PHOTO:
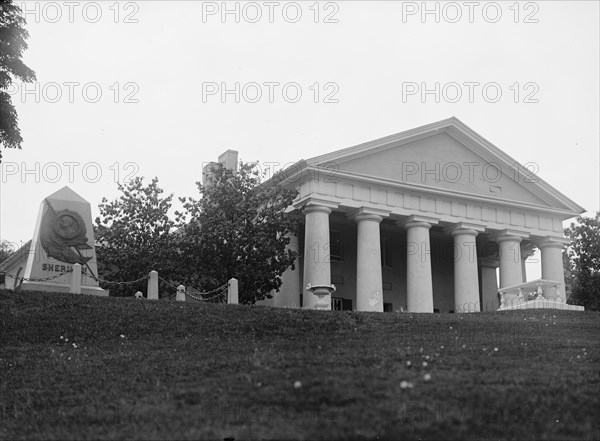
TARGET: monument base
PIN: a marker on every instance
(63, 288)
(541, 304)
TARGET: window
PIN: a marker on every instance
(335, 246)
(386, 252)
(388, 307)
(340, 304)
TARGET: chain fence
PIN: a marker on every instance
(31, 279)
(217, 295)
(109, 282)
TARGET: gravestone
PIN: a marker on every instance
(63, 236)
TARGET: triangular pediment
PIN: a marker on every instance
(450, 158)
(440, 161)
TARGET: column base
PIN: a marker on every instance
(323, 294)
(467, 307)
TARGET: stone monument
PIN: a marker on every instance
(63, 236)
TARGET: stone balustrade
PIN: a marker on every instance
(539, 293)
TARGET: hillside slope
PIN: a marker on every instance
(78, 367)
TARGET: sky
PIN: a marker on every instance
(157, 88)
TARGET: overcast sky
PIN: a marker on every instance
(136, 88)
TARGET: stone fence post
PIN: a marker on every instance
(76, 279)
(180, 294)
(232, 292)
(153, 286)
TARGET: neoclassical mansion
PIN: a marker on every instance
(420, 221)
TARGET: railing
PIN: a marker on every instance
(227, 292)
(539, 290)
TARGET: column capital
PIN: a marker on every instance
(464, 228)
(509, 235)
(365, 213)
(527, 249)
(416, 220)
(489, 262)
(311, 204)
(552, 242)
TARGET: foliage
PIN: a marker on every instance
(6, 249)
(13, 38)
(582, 258)
(239, 228)
(134, 236)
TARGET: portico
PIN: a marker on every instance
(377, 237)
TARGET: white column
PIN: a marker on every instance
(527, 250)
(489, 284)
(369, 284)
(552, 266)
(317, 269)
(511, 271)
(419, 284)
(466, 277)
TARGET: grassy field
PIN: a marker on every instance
(76, 367)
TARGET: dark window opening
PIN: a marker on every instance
(335, 246)
(386, 252)
(340, 304)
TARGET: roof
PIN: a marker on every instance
(452, 127)
(15, 257)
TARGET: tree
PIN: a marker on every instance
(582, 270)
(13, 43)
(134, 236)
(6, 249)
(239, 228)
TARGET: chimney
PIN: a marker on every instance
(229, 158)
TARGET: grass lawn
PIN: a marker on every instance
(76, 367)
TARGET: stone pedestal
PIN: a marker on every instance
(63, 236)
